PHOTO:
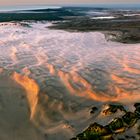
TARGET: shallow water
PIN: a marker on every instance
(64, 74)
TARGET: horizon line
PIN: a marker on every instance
(43, 4)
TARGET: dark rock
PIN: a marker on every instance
(97, 129)
(137, 111)
(93, 110)
(113, 109)
(129, 119)
(129, 137)
(74, 139)
(137, 105)
(95, 132)
(116, 126)
(119, 125)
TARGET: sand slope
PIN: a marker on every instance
(14, 113)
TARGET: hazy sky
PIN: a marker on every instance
(55, 2)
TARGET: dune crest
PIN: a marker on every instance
(32, 90)
(1, 70)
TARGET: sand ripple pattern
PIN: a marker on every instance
(71, 70)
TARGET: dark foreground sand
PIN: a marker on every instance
(15, 121)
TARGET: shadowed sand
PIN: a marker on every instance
(15, 121)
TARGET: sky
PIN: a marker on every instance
(61, 2)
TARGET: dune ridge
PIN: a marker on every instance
(32, 90)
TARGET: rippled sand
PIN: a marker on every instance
(62, 75)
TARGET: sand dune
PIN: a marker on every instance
(32, 90)
(61, 74)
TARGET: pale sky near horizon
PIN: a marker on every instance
(57, 2)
